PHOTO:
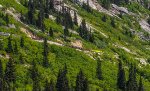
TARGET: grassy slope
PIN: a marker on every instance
(74, 59)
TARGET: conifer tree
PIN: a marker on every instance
(16, 48)
(141, 87)
(51, 5)
(35, 76)
(9, 45)
(121, 81)
(7, 19)
(47, 9)
(49, 86)
(1, 76)
(22, 42)
(113, 23)
(45, 53)
(75, 18)
(10, 75)
(1, 45)
(51, 32)
(132, 83)
(81, 82)
(40, 21)
(66, 31)
(62, 81)
(31, 10)
(104, 18)
(99, 70)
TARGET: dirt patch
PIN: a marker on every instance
(77, 44)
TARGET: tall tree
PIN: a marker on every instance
(45, 53)
(75, 18)
(49, 86)
(47, 8)
(31, 10)
(7, 19)
(10, 75)
(16, 48)
(62, 81)
(9, 45)
(22, 42)
(1, 45)
(99, 69)
(35, 76)
(81, 82)
(141, 87)
(1, 76)
(132, 83)
(121, 80)
(51, 32)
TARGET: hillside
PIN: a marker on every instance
(74, 45)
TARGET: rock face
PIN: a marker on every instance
(145, 26)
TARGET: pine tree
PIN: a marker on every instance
(121, 81)
(132, 83)
(141, 87)
(51, 32)
(47, 9)
(81, 82)
(75, 18)
(99, 70)
(113, 23)
(35, 76)
(7, 19)
(51, 5)
(16, 48)
(1, 45)
(1, 76)
(40, 21)
(22, 42)
(62, 81)
(9, 45)
(45, 53)
(104, 18)
(106, 4)
(31, 10)
(49, 86)
(10, 75)
(66, 31)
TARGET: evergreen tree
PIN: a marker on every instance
(16, 48)
(7, 19)
(81, 82)
(45, 53)
(31, 10)
(113, 23)
(121, 81)
(83, 31)
(47, 9)
(104, 18)
(10, 75)
(35, 76)
(75, 18)
(22, 42)
(132, 83)
(49, 86)
(1, 45)
(1, 76)
(99, 70)
(51, 32)
(40, 21)
(106, 4)
(141, 87)
(9, 45)
(66, 31)
(62, 81)
(51, 5)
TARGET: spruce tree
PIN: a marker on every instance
(141, 87)
(49, 86)
(81, 82)
(47, 9)
(99, 69)
(132, 83)
(35, 76)
(22, 42)
(45, 53)
(75, 18)
(1, 76)
(62, 81)
(104, 18)
(113, 23)
(121, 81)
(9, 45)
(10, 75)
(51, 32)
(1, 45)
(16, 48)
(7, 19)
(31, 10)
(66, 31)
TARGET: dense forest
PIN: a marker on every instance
(74, 45)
